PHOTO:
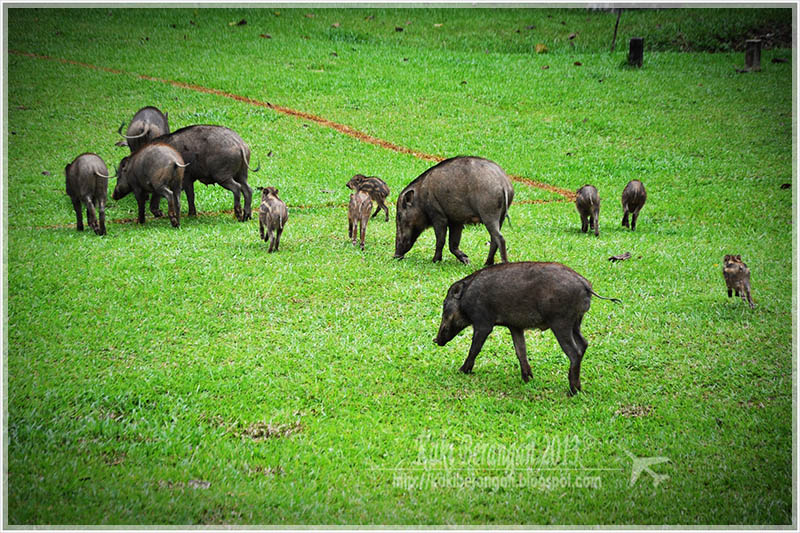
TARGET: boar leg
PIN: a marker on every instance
(91, 216)
(351, 230)
(101, 211)
(440, 229)
(363, 227)
(454, 240)
(141, 199)
(625, 217)
(188, 188)
(595, 220)
(730, 292)
(261, 229)
(633, 219)
(76, 205)
(172, 208)
(497, 242)
(584, 223)
(155, 206)
(479, 334)
(563, 333)
(278, 238)
(518, 336)
(746, 291)
(236, 189)
(271, 234)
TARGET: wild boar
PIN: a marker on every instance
(215, 154)
(358, 215)
(156, 169)
(457, 191)
(87, 184)
(588, 204)
(272, 217)
(737, 278)
(147, 124)
(375, 187)
(633, 198)
(520, 296)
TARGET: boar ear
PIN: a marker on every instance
(457, 291)
(407, 199)
(738, 257)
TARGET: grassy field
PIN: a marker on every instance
(185, 376)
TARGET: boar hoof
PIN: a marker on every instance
(465, 370)
(158, 213)
(526, 376)
(464, 259)
(174, 222)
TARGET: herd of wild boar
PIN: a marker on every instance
(457, 191)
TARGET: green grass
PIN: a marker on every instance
(185, 376)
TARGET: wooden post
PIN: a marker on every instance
(614, 40)
(752, 55)
(636, 52)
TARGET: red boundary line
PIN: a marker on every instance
(347, 130)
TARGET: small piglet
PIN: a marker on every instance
(520, 296)
(358, 215)
(272, 217)
(375, 187)
(588, 204)
(633, 198)
(87, 184)
(737, 278)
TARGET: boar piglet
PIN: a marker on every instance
(87, 184)
(457, 191)
(737, 278)
(155, 169)
(272, 217)
(147, 124)
(520, 296)
(588, 204)
(358, 215)
(633, 198)
(375, 187)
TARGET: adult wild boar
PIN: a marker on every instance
(147, 124)
(215, 154)
(633, 198)
(457, 191)
(156, 169)
(375, 187)
(87, 184)
(587, 202)
(520, 296)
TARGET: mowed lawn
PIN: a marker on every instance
(185, 376)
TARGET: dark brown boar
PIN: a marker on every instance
(155, 169)
(375, 187)
(147, 124)
(87, 184)
(520, 296)
(588, 204)
(215, 154)
(272, 217)
(633, 198)
(737, 278)
(358, 215)
(457, 191)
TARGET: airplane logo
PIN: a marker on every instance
(642, 464)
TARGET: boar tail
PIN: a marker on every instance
(507, 217)
(615, 300)
(244, 158)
